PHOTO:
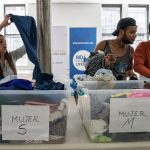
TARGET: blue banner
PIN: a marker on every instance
(82, 42)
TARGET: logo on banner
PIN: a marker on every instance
(79, 59)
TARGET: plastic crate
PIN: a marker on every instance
(56, 102)
(96, 115)
(122, 84)
(101, 85)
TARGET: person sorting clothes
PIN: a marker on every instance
(8, 59)
(120, 47)
(142, 59)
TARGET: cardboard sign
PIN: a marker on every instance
(129, 115)
(25, 122)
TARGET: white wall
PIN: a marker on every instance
(85, 13)
(76, 15)
(32, 10)
(104, 1)
(125, 1)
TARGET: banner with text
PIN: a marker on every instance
(82, 42)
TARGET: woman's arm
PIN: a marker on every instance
(5, 22)
(18, 53)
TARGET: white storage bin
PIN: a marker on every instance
(96, 115)
(56, 102)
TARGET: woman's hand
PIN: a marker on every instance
(5, 22)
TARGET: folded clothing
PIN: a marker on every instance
(16, 84)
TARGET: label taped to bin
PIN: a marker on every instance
(129, 115)
(25, 122)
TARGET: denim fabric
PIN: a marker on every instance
(28, 31)
(27, 27)
(45, 81)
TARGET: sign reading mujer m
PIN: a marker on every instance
(82, 42)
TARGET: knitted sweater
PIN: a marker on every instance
(142, 59)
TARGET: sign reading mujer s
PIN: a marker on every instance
(82, 42)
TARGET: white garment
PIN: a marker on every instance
(98, 127)
(60, 112)
(104, 75)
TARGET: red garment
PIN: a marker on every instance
(142, 59)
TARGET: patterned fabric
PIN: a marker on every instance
(94, 62)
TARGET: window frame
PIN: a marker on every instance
(111, 6)
(147, 16)
(12, 5)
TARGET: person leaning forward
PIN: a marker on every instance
(142, 58)
(120, 47)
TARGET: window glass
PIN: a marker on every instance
(110, 18)
(140, 14)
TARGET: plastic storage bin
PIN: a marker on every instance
(96, 115)
(100, 85)
(122, 84)
(56, 102)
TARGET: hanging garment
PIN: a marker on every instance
(27, 27)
